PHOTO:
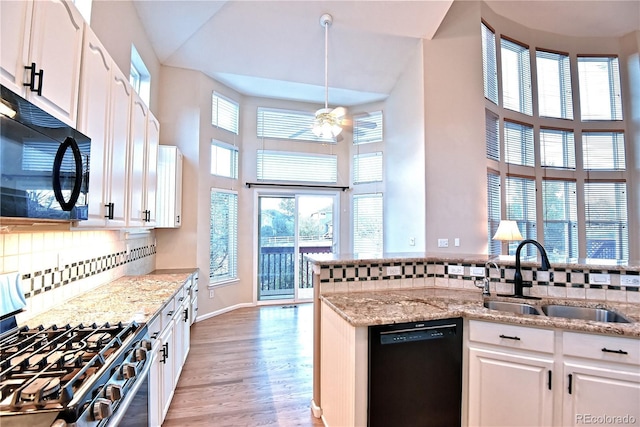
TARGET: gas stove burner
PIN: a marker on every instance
(98, 340)
(40, 389)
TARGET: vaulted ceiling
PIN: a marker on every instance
(275, 48)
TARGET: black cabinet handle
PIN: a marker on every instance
(186, 315)
(570, 382)
(178, 219)
(146, 216)
(606, 350)
(507, 337)
(549, 378)
(155, 335)
(110, 207)
(165, 352)
(170, 313)
(32, 83)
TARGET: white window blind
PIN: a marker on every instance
(287, 124)
(516, 77)
(367, 224)
(367, 128)
(225, 113)
(367, 167)
(555, 98)
(518, 143)
(224, 159)
(560, 218)
(223, 253)
(607, 228)
(492, 135)
(493, 210)
(557, 148)
(600, 94)
(603, 151)
(297, 167)
(489, 64)
(521, 207)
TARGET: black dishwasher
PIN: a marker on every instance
(415, 374)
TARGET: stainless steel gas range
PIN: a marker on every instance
(84, 375)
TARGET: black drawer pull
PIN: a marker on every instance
(549, 375)
(606, 350)
(570, 383)
(507, 337)
(170, 313)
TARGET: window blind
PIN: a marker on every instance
(557, 148)
(600, 93)
(223, 236)
(518, 143)
(367, 224)
(603, 151)
(560, 214)
(493, 211)
(224, 159)
(38, 156)
(555, 98)
(516, 77)
(489, 64)
(607, 228)
(287, 124)
(225, 113)
(521, 207)
(367, 167)
(492, 135)
(367, 128)
(297, 167)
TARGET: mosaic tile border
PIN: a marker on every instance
(38, 282)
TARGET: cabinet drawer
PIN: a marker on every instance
(512, 336)
(167, 313)
(600, 347)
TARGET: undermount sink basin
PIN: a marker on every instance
(584, 313)
(512, 307)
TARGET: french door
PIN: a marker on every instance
(289, 226)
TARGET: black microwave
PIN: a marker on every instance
(44, 163)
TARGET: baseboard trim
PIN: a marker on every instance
(224, 310)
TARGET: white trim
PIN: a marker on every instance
(222, 283)
(224, 310)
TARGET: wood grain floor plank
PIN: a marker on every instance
(248, 367)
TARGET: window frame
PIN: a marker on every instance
(232, 235)
(233, 159)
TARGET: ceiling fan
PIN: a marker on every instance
(328, 121)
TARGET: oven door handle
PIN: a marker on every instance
(115, 419)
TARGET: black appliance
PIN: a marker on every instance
(75, 376)
(415, 374)
(44, 163)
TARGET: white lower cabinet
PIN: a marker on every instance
(170, 334)
(510, 375)
(518, 376)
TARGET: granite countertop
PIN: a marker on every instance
(398, 306)
(127, 299)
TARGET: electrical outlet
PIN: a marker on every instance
(443, 243)
(476, 271)
(63, 261)
(456, 269)
(456, 242)
(394, 270)
(627, 280)
(599, 279)
(211, 293)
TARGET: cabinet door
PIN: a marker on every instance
(55, 47)
(155, 388)
(599, 390)
(120, 107)
(93, 121)
(509, 389)
(15, 21)
(137, 158)
(151, 164)
(168, 377)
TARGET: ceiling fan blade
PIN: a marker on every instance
(338, 112)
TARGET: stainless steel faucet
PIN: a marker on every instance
(486, 281)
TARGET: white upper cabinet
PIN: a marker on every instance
(169, 200)
(41, 52)
(151, 172)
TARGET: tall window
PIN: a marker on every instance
(603, 151)
(492, 135)
(493, 210)
(600, 94)
(367, 128)
(139, 76)
(489, 64)
(225, 113)
(518, 143)
(287, 124)
(516, 77)
(367, 224)
(560, 218)
(606, 220)
(555, 98)
(557, 148)
(224, 159)
(297, 167)
(521, 207)
(223, 237)
(367, 167)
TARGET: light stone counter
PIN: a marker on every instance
(130, 298)
(398, 306)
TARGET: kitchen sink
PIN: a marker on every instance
(512, 307)
(584, 313)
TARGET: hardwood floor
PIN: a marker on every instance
(248, 367)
